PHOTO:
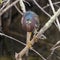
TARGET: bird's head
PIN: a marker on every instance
(29, 21)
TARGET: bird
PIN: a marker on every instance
(30, 21)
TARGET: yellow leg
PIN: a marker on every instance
(27, 42)
(28, 36)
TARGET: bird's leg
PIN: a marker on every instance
(27, 41)
(28, 37)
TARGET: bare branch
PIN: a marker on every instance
(4, 5)
(38, 54)
(2, 34)
(55, 3)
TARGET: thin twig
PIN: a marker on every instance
(42, 9)
(52, 52)
(8, 7)
(2, 34)
(55, 45)
(18, 10)
(55, 3)
(57, 6)
(38, 53)
(27, 2)
(4, 5)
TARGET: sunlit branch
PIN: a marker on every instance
(53, 49)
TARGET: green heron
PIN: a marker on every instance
(30, 21)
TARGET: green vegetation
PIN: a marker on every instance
(0, 1)
(5, 58)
